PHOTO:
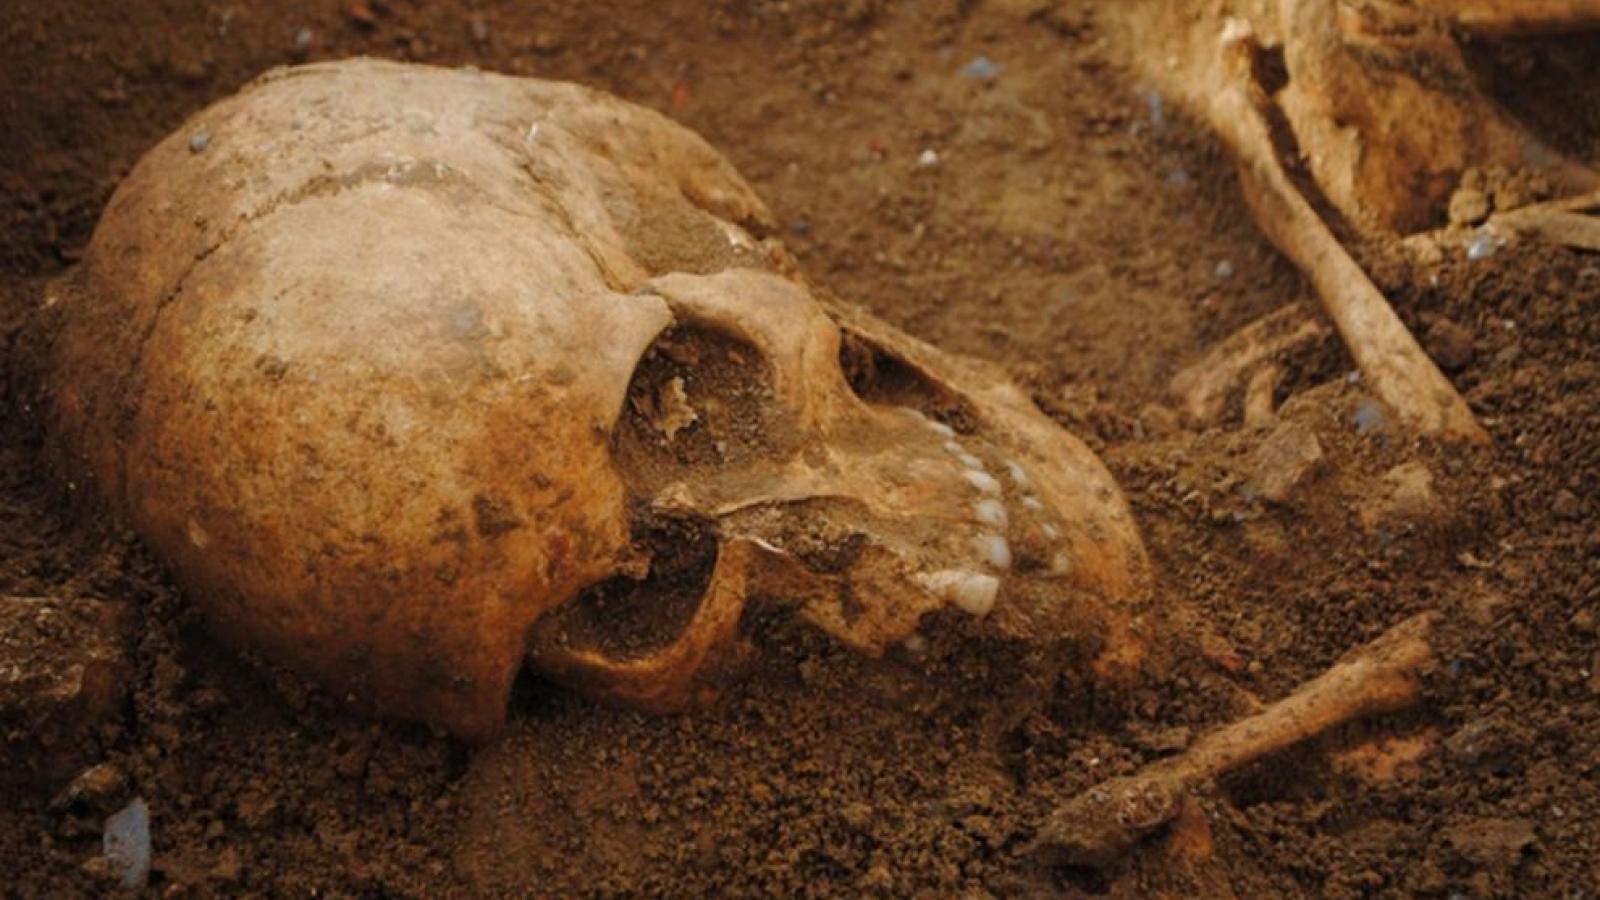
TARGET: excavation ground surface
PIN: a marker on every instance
(993, 177)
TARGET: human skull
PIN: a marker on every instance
(414, 374)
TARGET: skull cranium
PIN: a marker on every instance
(413, 374)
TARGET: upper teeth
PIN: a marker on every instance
(991, 512)
(983, 481)
(971, 592)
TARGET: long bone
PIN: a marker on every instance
(1389, 357)
(1103, 822)
(1498, 18)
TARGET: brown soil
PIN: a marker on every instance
(1074, 229)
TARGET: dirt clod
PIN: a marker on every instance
(1289, 455)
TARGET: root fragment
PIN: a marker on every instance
(1099, 825)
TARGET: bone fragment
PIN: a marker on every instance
(1567, 222)
(1521, 18)
(1203, 388)
(1388, 355)
(1258, 407)
(1102, 823)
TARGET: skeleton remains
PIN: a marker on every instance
(1379, 100)
(413, 375)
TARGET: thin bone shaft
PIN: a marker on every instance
(1379, 678)
(1388, 355)
(1100, 824)
(1516, 18)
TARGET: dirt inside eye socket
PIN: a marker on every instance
(698, 398)
(626, 617)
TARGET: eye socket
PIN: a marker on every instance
(628, 618)
(698, 397)
(881, 378)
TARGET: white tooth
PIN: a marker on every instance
(1018, 473)
(991, 512)
(975, 594)
(941, 429)
(970, 461)
(1050, 531)
(954, 446)
(915, 414)
(983, 481)
(1032, 502)
(994, 550)
(969, 592)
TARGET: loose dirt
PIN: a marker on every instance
(1044, 210)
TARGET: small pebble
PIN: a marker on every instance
(1224, 270)
(1566, 505)
(1449, 344)
(982, 68)
(94, 785)
(360, 12)
(1468, 206)
(199, 141)
(302, 41)
(1368, 417)
(1158, 107)
(1482, 246)
(126, 844)
(928, 159)
(547, 42)
(1583, 622)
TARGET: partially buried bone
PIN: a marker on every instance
(1388, 114)
(1103, 822)
(1202, 390)
(413, 376)
(1225, 88)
